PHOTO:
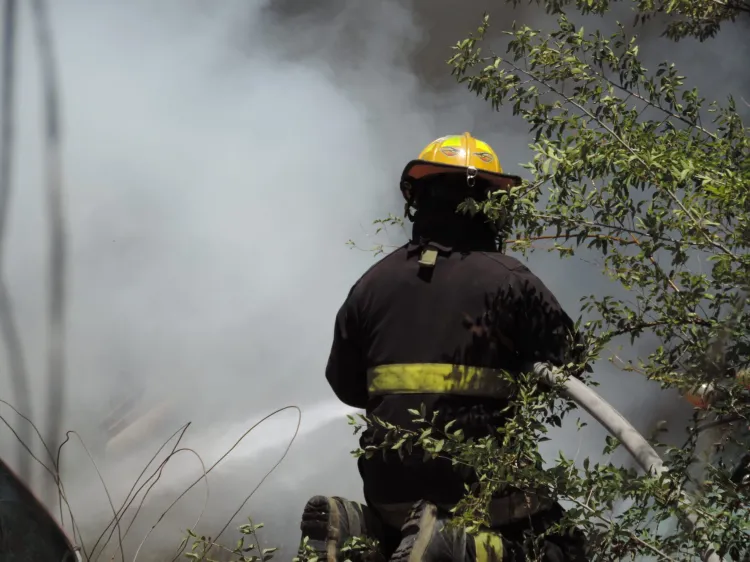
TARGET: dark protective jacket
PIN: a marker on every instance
(409, 334)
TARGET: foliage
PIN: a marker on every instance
(636, 168)
(354, 549)
(381, 227)
(701, 19)
(633, 173)
(243, 551)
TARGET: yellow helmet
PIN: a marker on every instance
(462, 154)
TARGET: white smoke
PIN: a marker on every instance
(212, 184)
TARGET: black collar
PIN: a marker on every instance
(416, 247)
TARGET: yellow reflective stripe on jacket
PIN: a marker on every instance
(489, 547)
(436, 378)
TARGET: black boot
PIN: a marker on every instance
(327, 523)
(426, 538)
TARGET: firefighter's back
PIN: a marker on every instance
(434, 334)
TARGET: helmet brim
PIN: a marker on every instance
(419, 169)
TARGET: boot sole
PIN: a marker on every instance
(320, 524)
(416, 532)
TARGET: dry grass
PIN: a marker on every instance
(109, 543)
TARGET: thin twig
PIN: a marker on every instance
(619, 228)
(655, 105)
(567, 237)
(126, 504)
(25, 447)
(200, 516)
(656, 265)
(53, 473)
(635, 537)
(263, 419)
(104, 485)
(61, 492)
(270, 471)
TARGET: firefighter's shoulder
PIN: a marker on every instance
(506, 262)
(518, 274)
(378, 267)
(523, 279)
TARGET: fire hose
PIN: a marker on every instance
(620, 428)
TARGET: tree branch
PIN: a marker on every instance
(627, 147)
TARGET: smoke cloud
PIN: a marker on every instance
(217, 158)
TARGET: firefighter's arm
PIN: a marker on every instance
(547, 332)
(346, 372)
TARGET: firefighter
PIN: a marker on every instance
(446, 305)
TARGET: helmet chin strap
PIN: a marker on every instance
(406, 189)
(471, 176)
